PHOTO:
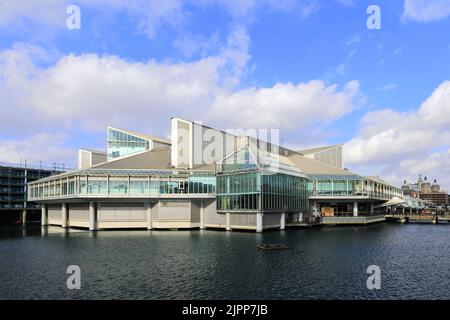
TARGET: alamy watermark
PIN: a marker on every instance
(374, 19)
(73, 22)
(74, 280)
(198, 145)
(374, 279)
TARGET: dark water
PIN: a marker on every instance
(325, 263)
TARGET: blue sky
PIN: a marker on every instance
(310, 68)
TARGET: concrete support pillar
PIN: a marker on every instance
(24, 217)
(283, 221)
(314, 207)
(259, 222)
(202, 215)
(355, 209)
(44, 215)
(149, 217)
(227, 221)
(92, 216)
(64, 216)
(371, 208)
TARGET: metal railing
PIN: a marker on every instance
(54, 166)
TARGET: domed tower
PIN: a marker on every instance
(406, 188)
(426, 186)
(435, 187)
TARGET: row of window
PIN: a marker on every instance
(280, 202)
(284, 193)
(278, 192)
(12, 190)
(270, 202)
(124, 149)
(237, 202)
(284, 185)
(240, 183)
(350, 187)
(21, 174)
(12, 198)
(4, 181)
(121, 144)
(114, 135)
(7, 173)
(116, 186)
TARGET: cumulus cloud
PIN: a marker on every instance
(89, 92)
(92, 91)
(43, 147)
(426, 10)
(399, 144)
(285, 105)
(46, 92)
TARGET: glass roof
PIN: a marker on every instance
(335, 177)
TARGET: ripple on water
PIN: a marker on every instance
(328, 263)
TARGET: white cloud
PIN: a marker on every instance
(388, 87)
(89, 92)
(43, 147)
(191, 45)
(149, 15)
(353, 39)
(285, 106)
(426, 10)
(52, 12)
(399, 144)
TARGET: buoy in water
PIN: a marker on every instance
(273, 247)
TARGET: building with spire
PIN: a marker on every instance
(424, 190)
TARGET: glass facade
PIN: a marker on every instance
(202, 184)
(123, 185)
(255, 191)
(284, 193)
(239, 192)
(13, 185)
(353, 186)
(122, 144)
(241, 160)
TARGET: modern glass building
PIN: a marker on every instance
(125, 142)
(14, 179)
(206, 178)
(269, 186)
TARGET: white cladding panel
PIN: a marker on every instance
(121, 212)
(54, 211)
(174, 210)
(78, 211)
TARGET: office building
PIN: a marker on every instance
(14, 178)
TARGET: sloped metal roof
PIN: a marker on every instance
(314, 167)
(318, 149)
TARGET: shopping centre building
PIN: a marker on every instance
(206, 178)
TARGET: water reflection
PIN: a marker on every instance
(320, 263)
